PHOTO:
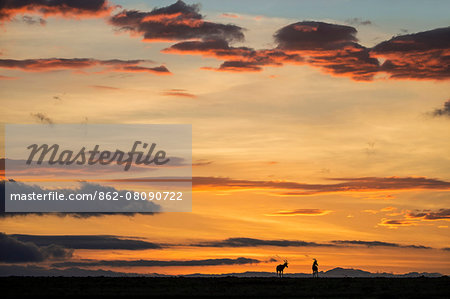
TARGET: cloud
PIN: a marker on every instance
(157, 263)
(33, 21)
(378, 244)
(7, 78)
(16, 251)
(236, 66)
(62, 8)
(251, 242)
(358, 21)
(301, 212)
(88, 242)
(395, 223)
(423, 55)
(441, 214)
(335, 50)
(58, 64)
(84, 188)
(445, 111)
(178, 93)
(104, 87)
(230, 15)
(202, 162)
(237, 59)
(331, 47)
(415, 218)
(388, 209)
(310, 35)
(175, 22)
(328, 46)
(364, 184)
(42, 118)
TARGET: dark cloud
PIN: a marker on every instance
(334, 49)
(156, 263)
(42, 118)
(251, 242)
(331, 47)
(17, 251)
(237, 66)
(89, 242)
(178, 21)
(84, 188)
(310, 35)
(441, 214)
(64, 8)
(423, 55)
(445, 111)
(55, 64)
(238, 59)
(348, 184)
(378, 244)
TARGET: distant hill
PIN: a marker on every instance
(30, 270)
(336, 272)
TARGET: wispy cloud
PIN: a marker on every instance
(88, 242)
(42, 118)
(253, 242)
(104, 87)
(444, 111)
(358, 21)
(378, 244)
(395, 223)
(441, 214)
(159, 263)
(415, 218)
(301, 212)
(178, 93)
(363, 184)
(58, 64)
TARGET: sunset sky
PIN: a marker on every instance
(320, 129)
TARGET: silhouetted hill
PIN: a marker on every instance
(336, 272)
(30, 270)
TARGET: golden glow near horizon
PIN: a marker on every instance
(288, 153)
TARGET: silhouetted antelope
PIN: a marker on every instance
(315, 268)
(281, 267)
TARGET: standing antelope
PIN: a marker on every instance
(281, 267)
(315, 268)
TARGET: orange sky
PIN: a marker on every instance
(283, 148)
